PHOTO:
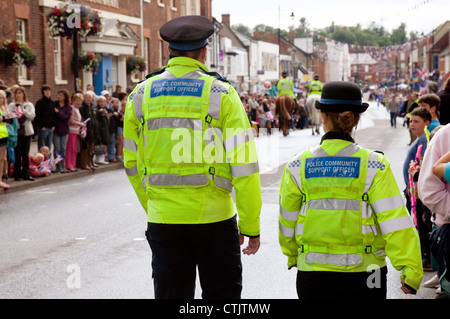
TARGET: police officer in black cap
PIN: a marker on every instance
(192, 220)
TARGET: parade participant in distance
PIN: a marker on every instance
(285, 86)
(316, 86)
(341, 211)
(185, 187)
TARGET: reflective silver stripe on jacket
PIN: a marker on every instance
(291, 216)
(132, 171)
(176, 180)
(174, 123)
(138, 98)
(349, 150)
(334, 204)
(245, 170)
(224, 183)
(396, 224)
(286, 231)
(215, 99)
(372, 170)
(385, 204)
(294, 171)
(334, 259)
(129, 145)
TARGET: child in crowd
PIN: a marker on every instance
(35, 162)
(44, 150)
(420, 119)
(432, 103)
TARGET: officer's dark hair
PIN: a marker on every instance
(194, 54)
(422, 113)
(344, 122)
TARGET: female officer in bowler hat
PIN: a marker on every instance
(341, 211)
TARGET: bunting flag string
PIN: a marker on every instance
(408, 10)
(376, 52)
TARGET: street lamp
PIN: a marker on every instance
(292, 40)
(75, 48)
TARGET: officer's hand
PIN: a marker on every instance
(406, 289)
(252, 247)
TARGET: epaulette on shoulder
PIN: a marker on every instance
(217, 76)
(380, 152)
(148, 76)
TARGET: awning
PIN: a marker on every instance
(117, 38)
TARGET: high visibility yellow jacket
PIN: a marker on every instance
(315, 87)
(187, 142)
(3, 130)
(285, 87)
(341, 210)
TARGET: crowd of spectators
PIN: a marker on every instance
(77, 131)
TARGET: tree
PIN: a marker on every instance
(242, 29)
(398, 35)
(346, 36)
(304, 25)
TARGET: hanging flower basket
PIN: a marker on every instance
(70, 18)
(135, 64)
(14, 52)
(88, 62)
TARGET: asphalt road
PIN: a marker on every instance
(84, 238)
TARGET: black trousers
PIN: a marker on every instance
(340, 285)
(21, 151)
(177, 251)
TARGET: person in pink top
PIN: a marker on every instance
(75, 125)
(434, 191)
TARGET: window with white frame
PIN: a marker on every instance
(160, 3)
(20, 36)
(146, 55)
(57, 58)
(172, 5)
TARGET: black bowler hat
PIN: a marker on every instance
(187, 33)
(338, 97)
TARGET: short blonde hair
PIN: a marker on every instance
(89, 93)
(77, 96)
(39, 156)
(101, 98)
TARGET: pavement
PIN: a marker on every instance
(56, 177)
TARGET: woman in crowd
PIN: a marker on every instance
(103, 138)
(3, 135)
(75, 125)
(122, 104)
(114, 118)
(24, 111)
(87, 143)
(63, 113)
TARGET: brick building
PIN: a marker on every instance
(130, 28)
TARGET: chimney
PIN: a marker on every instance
(226, 19)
